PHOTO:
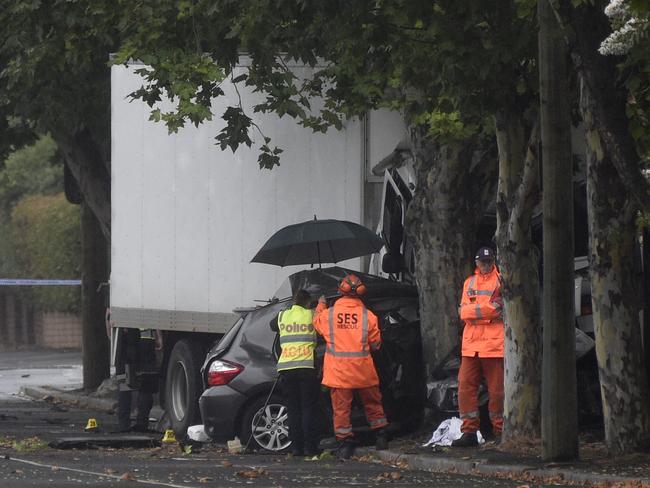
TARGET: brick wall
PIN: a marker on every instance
(57, 330)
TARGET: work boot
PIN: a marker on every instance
(468, 439)
(312, 450)
(381, 441)
(345, 449)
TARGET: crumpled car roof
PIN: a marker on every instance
(324, 281)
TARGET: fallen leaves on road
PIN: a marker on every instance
(388, 476)
(127, 477)
(368, 458)
(226, 463)
(559, 479)
(29, 444)
(400, 463)
(253, 473)
(17, 471)
(110, 471)
(7, 442)
(56, 468)
(323, 456)
(205, 479)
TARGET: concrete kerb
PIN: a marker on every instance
(82, 401)
(474, 467)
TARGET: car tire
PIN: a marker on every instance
(271, 425)
(183, 386)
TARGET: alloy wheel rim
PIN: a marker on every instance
(270, 427)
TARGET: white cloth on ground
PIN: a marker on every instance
(447, 432)
(197, 433)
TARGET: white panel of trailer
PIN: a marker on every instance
(188, 217)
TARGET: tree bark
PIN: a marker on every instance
(455, 185)
(95, 346)
(584, 28)
(559, 398)
(88, 164)
(518, 264)
(614, 295)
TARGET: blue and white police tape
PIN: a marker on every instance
(8, 282)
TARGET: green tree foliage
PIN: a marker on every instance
(40, 228)
(55, 79)
(449, 65)
(45, 232)
(33, 170)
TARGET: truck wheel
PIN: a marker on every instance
(183, 386)
(269, 425)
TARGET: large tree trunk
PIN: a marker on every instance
(518, 264)
(559, 397)
(95, 347)
(88, 164)
(614, 295)
(455, 184)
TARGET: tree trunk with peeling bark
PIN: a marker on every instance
(455, 185)
(518, 264)
(584, 28)
(614, 296)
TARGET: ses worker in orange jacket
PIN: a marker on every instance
(482, 350)
(351, 332)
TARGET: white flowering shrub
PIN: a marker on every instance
(630, 28)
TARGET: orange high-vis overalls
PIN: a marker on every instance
(482, 350)
(351, 331)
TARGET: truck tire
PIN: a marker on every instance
(271, 425)
(183, 386)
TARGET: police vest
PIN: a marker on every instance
(146, 333)
(297, 339)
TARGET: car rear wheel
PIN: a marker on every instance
(266, 426)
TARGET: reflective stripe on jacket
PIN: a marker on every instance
(481, 308)
(351, 332)
(297, 338)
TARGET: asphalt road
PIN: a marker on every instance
(27, 426)
(25, 460)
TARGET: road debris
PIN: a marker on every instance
(388, 476)
(127, 477)
(252, 473)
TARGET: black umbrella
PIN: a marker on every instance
(318, 241)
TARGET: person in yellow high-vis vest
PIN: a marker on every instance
(298, 374)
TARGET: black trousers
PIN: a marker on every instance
(144, 360)
(144, 404)
(301, 390)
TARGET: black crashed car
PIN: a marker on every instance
(239, 372)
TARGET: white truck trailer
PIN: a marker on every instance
(187, 218)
